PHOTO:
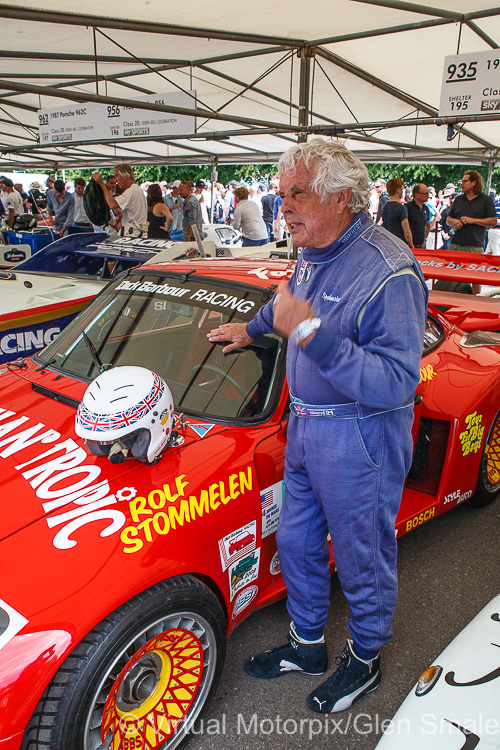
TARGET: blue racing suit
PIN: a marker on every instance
(349, 441)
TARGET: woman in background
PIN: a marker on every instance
(159, 216)
(248, 220)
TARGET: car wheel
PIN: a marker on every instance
(141, 678)
(488, 480)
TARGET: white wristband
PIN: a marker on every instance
(304, 329)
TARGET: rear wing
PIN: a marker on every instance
(448, 265)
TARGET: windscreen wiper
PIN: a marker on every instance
(93, 352)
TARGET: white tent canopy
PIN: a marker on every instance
(266, 75)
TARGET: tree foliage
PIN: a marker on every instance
(225, 173)
(438, 175)
(430, 174)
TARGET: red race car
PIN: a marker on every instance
(123, 578)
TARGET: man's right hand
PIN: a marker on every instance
(97, 177)
(236, 333)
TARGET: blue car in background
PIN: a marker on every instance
(41, 295)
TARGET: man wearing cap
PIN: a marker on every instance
(174, 202)
(200, 192)
(13, 201)
(36, 199)
(471, 214)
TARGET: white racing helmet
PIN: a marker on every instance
(126, 412)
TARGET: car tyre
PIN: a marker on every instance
(164, 649)
(488, 480)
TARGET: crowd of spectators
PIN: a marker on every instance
(463, 219)
(156, 208)
(417, 214)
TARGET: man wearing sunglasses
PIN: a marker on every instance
(383, 198)
(418, 215)
(471, 213)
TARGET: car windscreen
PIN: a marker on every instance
(72, 254)
(161, 322)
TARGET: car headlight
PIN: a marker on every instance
(428, 679)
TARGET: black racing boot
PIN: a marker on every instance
(310, 658)
(353, 678)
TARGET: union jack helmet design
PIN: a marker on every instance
(128, 405)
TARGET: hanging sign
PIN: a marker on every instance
(93, 121)
(471, 84)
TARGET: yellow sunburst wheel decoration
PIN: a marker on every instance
(493, 453)
(154, 692)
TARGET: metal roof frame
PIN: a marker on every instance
(224, 133)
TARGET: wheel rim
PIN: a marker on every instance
(155, 688)
(492, 456)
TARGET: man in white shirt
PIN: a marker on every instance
(131, 205)
(13, 201)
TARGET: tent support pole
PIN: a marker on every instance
(306, 54)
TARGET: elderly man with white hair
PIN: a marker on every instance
(131, 206)
(354, 315)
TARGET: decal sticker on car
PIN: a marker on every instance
(243, 599)
(271, 501)
(426, 515)
(11, 623)
(458, 496)
(426, 373)
(156, 514)
(472, 437)
(28, 340)
(237, 544)
(266, 273)
(275, 567)
(243, 572)
(210, 297)
(201, 429)
(64, 462)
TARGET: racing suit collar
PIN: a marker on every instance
(324, 254)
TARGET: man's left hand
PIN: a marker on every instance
(289, 310)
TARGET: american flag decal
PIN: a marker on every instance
(266, 498)
(106, 422)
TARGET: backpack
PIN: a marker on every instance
(95, 204)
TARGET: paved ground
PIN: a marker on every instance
(448, 570)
